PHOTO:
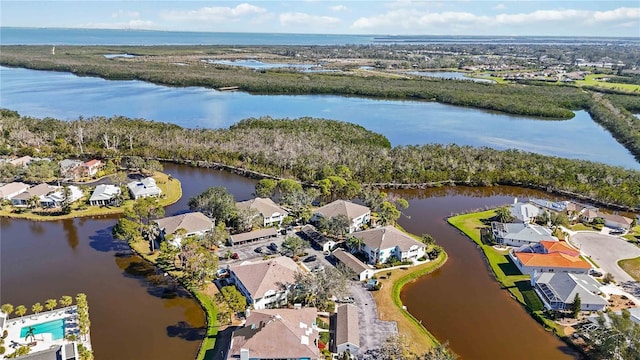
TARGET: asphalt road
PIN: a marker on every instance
(373, 332)
(606, 250)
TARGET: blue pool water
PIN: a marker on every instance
(55, 327)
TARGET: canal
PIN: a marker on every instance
(135, 314)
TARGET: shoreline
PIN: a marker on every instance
(493, 267)
(101, 211)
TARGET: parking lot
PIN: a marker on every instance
(373, 331)
(249, 252)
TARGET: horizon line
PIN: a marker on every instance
(331, 34)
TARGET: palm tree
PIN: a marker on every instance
(50, 304)
(34, 201)
(65, 301)
(354, 243)
(21, 310)
(30, 334)
(37, 308)
(7, 309)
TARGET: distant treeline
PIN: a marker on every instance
(552, 102)
(311, 149)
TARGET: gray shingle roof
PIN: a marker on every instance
(251, 235)
(265, 207)
(347, 327)
(258, 277)
(387, 237)
(277, 334)
(350, 261)
(191, 222)
(566, 286)
(342, 207)
(523, 232)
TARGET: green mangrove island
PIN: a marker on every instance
(314, 151)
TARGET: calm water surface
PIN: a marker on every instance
(66, 96)
(135, 318)
(449, 75)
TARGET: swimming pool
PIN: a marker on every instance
(54, 327)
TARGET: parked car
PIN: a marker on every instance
(310, 258)
(235, 256)
(258, 249)
(273, 246)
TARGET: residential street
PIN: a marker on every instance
(606, 250)
(373, 332)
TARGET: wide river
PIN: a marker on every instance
(134, 318)
(66, 96)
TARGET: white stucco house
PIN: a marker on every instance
(519, 234)
(358, 215)
(265, 283)
(381, 244)
(558, 291)
(361, 270)
(271, 213)
(104, 195)
(57, 198)
(144, 188)
(549, 256)
(524, 211)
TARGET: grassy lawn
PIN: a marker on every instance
(503, 268)
(581, 227)
(634, 234)
(593, 80)
(172, 189)
(632, 267)
(390, 307)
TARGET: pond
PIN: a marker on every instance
(451, 75)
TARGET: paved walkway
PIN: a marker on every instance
(373, 332)
(606, 250)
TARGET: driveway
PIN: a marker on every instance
(606, 250)
(373, 332)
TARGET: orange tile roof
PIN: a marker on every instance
(553, 260)
(91, 162)
(559, 246)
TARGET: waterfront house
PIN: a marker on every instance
(105, 195)
(57, 198)
(381, 244)
(194, 224)
(265, 283)
(553, 206)
(271, 213)
(358, 215)
(577, 211)
(24, 198)
(289, 334)
(616, 221)
(346, 335)
(144, 188)
(558, 291)
(252, 236)
(549, 256)
(518, 234)
(91, 167)
(524, 211)
(362, 270)
(10, 190)
(70, 169)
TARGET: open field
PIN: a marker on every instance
(596, 80)
(632, 267)
(172, 189)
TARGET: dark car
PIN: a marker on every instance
(310, 258)
(273, 247)
(258, 250)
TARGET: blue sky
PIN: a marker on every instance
(402, 17)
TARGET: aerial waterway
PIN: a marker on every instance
(134, 316)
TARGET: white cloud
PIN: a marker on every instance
(338, 8)
(125, 14)
(416, 20)
(214, 13)
(299, 18)
(499, 7)
(133, 24)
